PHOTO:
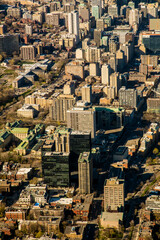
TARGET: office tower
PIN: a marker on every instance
(85, 173)
(105, 73)
(113, 44)
(73, 23)
(93, 54)
(87, 93)
(84, 13)
(9, 43)
(152, 10)
(97, 37)
(94, 69)
(133, 17)
(28, 29)
(112, 62)
(151, 41)
(55, 169)
(82, 118)
(62, 139)
(128, 97)
(69, 88)
(113, 194)
(52, 19)
(61, 103)
(28, 52)
(113, 10)
(115, 82)
(104, 42)
(80, 141)
(3, 29)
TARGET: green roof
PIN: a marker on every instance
(20, 130)
(62, 130)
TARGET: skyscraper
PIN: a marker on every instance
(28, 29)
(85, 173)
(105, 74)
(128, 97)
(87, 93)
(73, 23)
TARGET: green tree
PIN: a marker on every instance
(155, 151)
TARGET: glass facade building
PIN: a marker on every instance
(152, 42)
(55, 168)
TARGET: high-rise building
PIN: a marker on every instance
(73, 23)
(28, 29)
(100, 24)
(55, 6)
(97, 37)
(128, 97)
(113, 44)
(151, 41)
(52, 19)
(94, 69)
(115, 82)
(112, 62)
(55, 169)
(69, 88)
(96, 12)
(113, 194)
(85, 173)
(152, 10)
(28, 52)
(93, 54)
(9, 43)
(105, 73)
(87, 93)
(83, 13)
(131, 4)
(113, 10)
(149, 60)
(82, 118)
(61, 103)
(133, 17)
(62, 139)
(14, 12)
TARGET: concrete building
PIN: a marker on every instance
(83, 13)
(105, 74)
(28, 52)
(87, 93)
(75, 68)
(85, 173)
(94, 69)
(96, 12)
(73, 23)
(113, 10)
(62, 139)
(14, 12)
(97, 37)
(113, 43)
(93, 54)
(128, 97)
(60, 105)
(152, 10)
(113, 63)
(28, 111)
(115, 82)
(154, 24)
(113, 194)
(133, 17)
(82, 118)
(52, 19)
(3, 29)
(69, 88)
(28, 29)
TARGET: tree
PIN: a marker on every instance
(39, 234)
(155, 151)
